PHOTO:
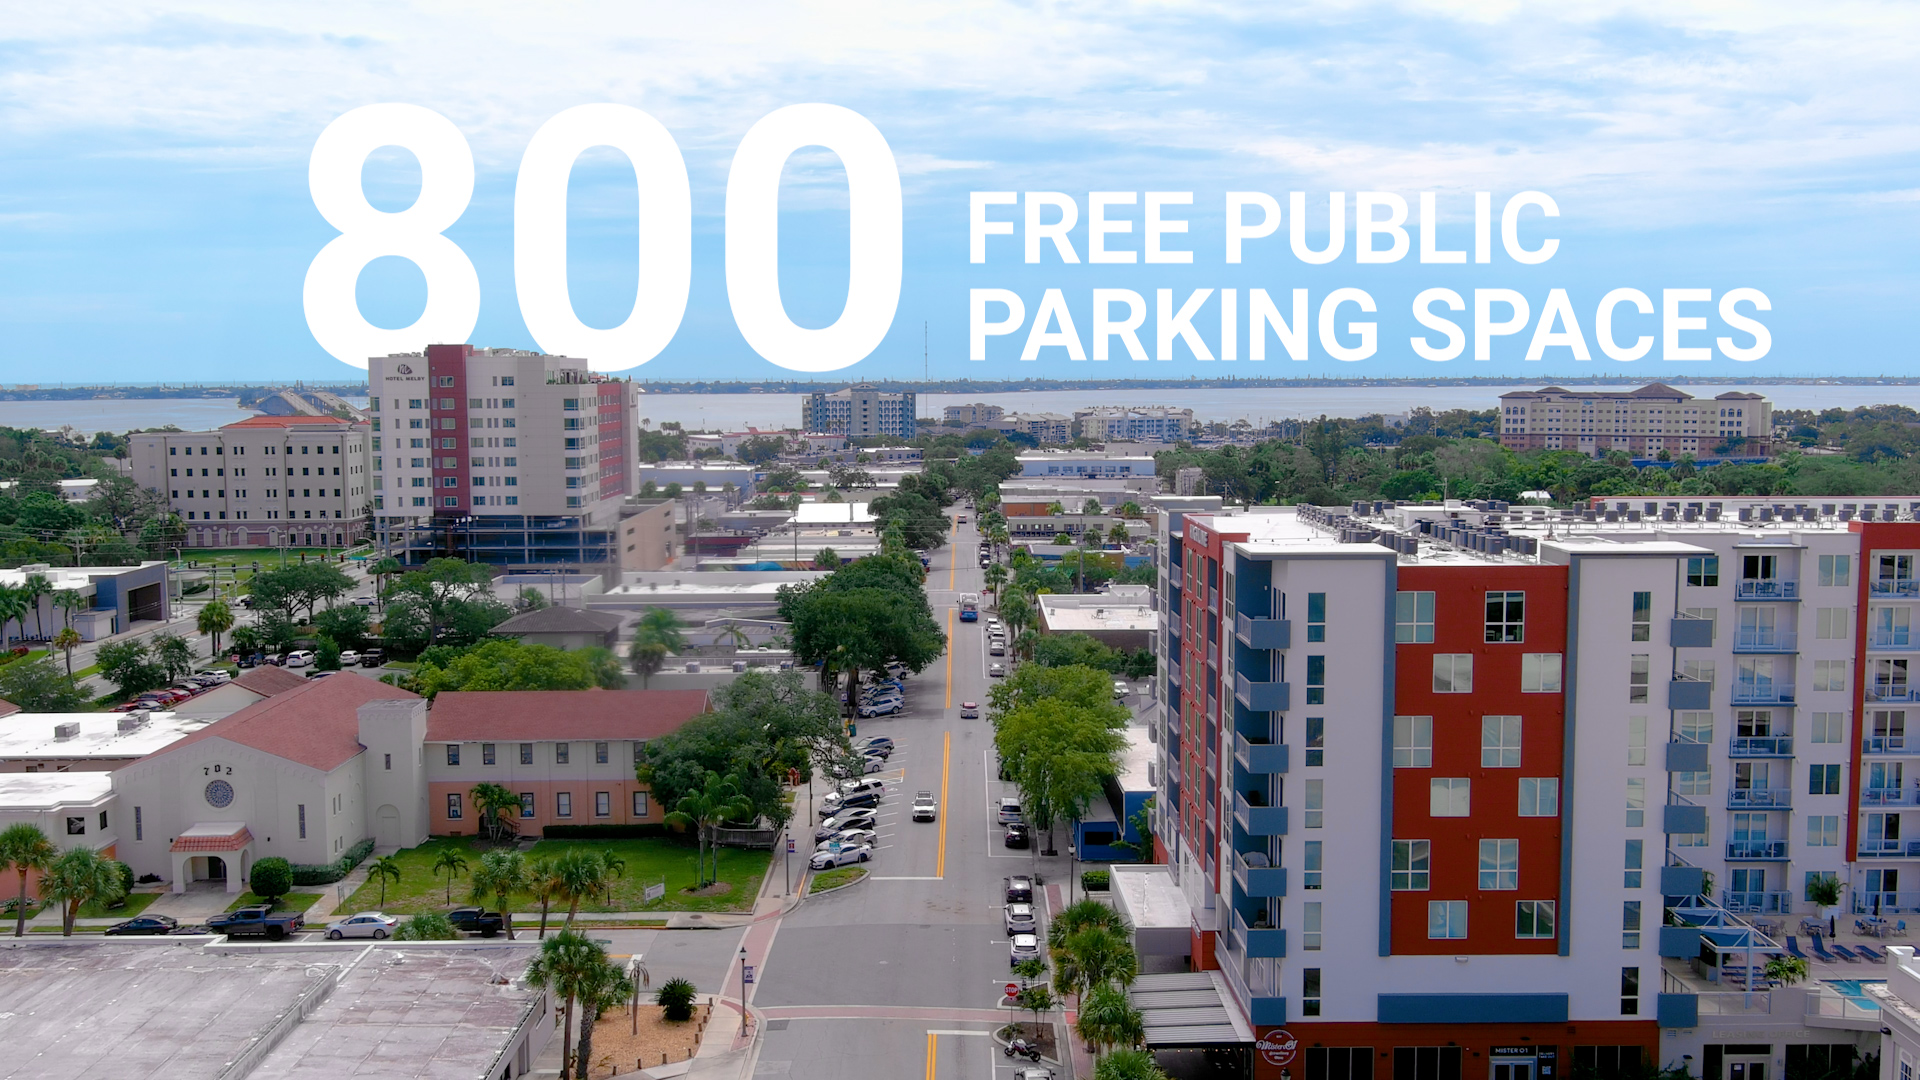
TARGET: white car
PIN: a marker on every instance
(852, 787)
(214, 677)
(857, 818)
(349, 658)
(847, 838)
(892, 707)
(299, 658)
(1121, 689)
(925, 806)
(840, 856)
(1025, 947)
(996, 671)
(373, 924)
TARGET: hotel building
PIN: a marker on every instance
(1642, 422)
(262, 482)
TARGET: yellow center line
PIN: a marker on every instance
(949, 703)
(946, 764)
(933, 1042)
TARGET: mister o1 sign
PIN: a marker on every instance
(1278, 1047)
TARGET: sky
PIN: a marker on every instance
(156, 222)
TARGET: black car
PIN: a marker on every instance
(473, 920)
(858, 799)
(1019, 835)
(373, 657)
(145, 924)
(249, 661)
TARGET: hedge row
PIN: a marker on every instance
(328, 873)
(606, 832)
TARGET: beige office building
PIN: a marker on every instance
(269, 480)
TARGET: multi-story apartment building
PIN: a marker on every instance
(975, 413)
(262, 482)
(500, 456)
(859, 412)
(1148, 423)
(1537, 787)
(1642, 422)
(1045, 428)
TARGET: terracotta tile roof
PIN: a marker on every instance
(8, 708)
(316, 725)
(534, 715)
(289, 421)
(268, 680)
(231, 842)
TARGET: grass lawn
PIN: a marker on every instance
(420, 889)
(833, 879)
(293, 901)
(136, 903)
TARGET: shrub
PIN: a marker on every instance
(605, 832)
(428, 926)
(675, 998)
(272, 877)
(328, 873)
(1096, 880)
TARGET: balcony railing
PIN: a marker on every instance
(1259, 758)
(1887, 744)
(1767, 590)
(1259, 882)
(1889, 796)
(1826, 1004)
(1765, 641)
(1886, 903)
(1893, 641)
(1896, 692)
(1258, 820)
(1771, 692)
(1882, 847)
(1757, 903)
(1757, 849)
(1904, 587)
(1689, 694)
(1749, 746)
(1263, 633)
(1260, 696)
(1258, 942)
(1760, 799)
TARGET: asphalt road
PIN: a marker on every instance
(902, 974)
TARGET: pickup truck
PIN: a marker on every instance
(255, 921)
(473, 920)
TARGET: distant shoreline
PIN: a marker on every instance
(218, 391)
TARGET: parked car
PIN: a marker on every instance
(873, 751)
(996, 671)
(925, 807)
(874, 742)
(252, 660)
(374, 924)
(998, 648)
(969, 710)
(1025, 947)
(840, 856)
(868, 783)
(365, 601)
(1010, 810)
(1019, 835)
(256, 920)
(349, 657)
(1121, 689)
(212, 677)
(846, 819)
(145, 924)
(889, 707)
(846, 837)
(1020, 920)
(833, 804)
(473, 920)
(868, 765)
(373, 657)
(1019, 889)
(300, 658)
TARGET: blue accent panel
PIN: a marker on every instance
(1263, 633)
(1678, 1010)
(1689, 694)
(1683, 819)
(1687, 757)
(1260, 696)
(1682, 881)
(1269, 1011)
(1262, 882)
(1679, 942)
(1263, 759)
(1473, 1008)
(1259, 820)
(1690, 633)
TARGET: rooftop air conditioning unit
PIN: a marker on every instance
(133, 721)
(68, 730)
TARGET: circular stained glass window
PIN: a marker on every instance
(219, 794)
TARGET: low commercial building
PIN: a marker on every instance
(560, 627)
(262, 482)
(1123, 617)
(117, 597)
(707, 475)
(646, 534)
(1085, 463)
(88, 742)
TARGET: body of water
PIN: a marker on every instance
(1210, 402)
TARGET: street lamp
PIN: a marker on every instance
(745, 972)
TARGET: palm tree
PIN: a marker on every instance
(582, 873)
(246, 640)
(1092, 958)
(501, 874)
(452, 862)
(1128, 1065)
(600, 989)
(67, 640)
(663, 626)
(70, 601)
(995, 576)
(616, 868)
(77, 877)
(36, 586)
(25, 849)
(1107, 1020)
(718, 800)
(648, 658)
(382, 868)
(382, 570)
(735, 637)
(215, 619)
(494, 803)
(13, 609)
(543, 884)
(568, 963)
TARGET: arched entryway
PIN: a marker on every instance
(216, 868)
(386, 826)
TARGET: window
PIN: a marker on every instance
(1636, 740)
(1830, 623)
(1816, 875)
(603, 804)
(1823, 779)
(1316, 800)
(1703, 570)
(1411, 867)
(1829, 674)
(1630, 991)
(1316, 616)
(1413, 742)
(1453, 673)
(1316, 740)
(1450, 797)
(599, 753)
(1446, 919)
(487, 755)
(526, 753)
(562, 753)
(1413, 618)
(387, 765)
(1426, 1063)
(563, 803)
(1316, 680)
(1309, 992)
(1643, 616)
(1636, 802)
(1506, 616)
(1639, 670)
(1533, 919)
(1499, 864)
(140, 826)
(1500, 742)
(1310, 926)
(1630, 924)
(1636, 857)
(453, 806)
(1823, 830)
(1540, 673)
(1695, 727)
(1539, 796)
(1836, 570)
(639, 804)
(453, 754)
(526, 804)
(1829, 727)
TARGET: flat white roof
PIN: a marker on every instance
(1114, 615)
(831, 513)
(25, 736)
(1134, 760)
(45, 791)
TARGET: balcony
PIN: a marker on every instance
(1889, 587)
(1770, 692)
(1767, 590)
(1765, 641)
(1831, 1009)
(1689, 694)
(1887, 744)
(1890, 796)
(1893, 641)
(1760, 799)
(1751, 850)
(1883, 848)
(1259, 758)
(1894, 692)
(1755, 746)
(1757, 903)
(1260, 696)
(1263, 633)
(1687, 632)
(1885, 903)
(1258, 820)
(1258, 942)
(1258, 882)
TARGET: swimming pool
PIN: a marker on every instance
(1851, 990)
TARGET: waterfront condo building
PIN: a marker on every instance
(859, 412)
(1642, 422)
(500, 456)
(1468, 790)
(1148, 423)
(262, 482)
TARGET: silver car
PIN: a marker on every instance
(1025, 947)
(846, 819)
(1020, 920)
(371, 924)
(847, 837)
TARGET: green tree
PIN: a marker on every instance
(603, 667)
(543, 887)
(271, 878)
(38, 686)
(215, 618)
(503, 665)
(78, 876)
(326, 653)
(129, 666)
(1142, 822)
(1786, 969)
(568, 963)
(25, 850)
(764, 726)
(348, 624)
(13, 611)
(67, 640)
(1060, 757)
(1036, 998)
(173, 655)
(581, 873)
(532, 599)
(675, 998)
(1128, 1065)
(661, 626)
(303, 586)
(861, 617)
(1108, 1020)
(32, 590)
(648, 657)
(602, 988)
(717, 801)
(383, 869)
(500, 875)
(451, 863)
(426, 926)
(445, 600)
(826, 559)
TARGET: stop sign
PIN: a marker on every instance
(1012, 990)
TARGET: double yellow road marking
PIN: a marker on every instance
(946, 761)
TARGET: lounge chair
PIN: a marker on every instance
(1793, 947)
(1820, 951)
(1872, 957)
(1845, 953)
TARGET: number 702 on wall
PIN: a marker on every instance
(665, 251)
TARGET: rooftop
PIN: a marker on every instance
(28, 792)
(558, 620)
(840, 513)
(25, 736)
(535, 715)
(316, 725)
(329, 422)
(1069, 614)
